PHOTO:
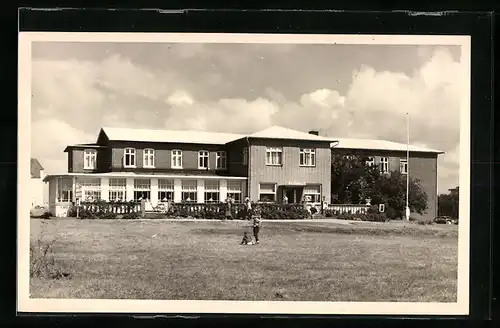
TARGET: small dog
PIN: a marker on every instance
(246, 240)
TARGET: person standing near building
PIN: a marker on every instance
(256, 224)
(285, 199)
(248, 208)
(229, 207)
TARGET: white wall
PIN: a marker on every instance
(37, 188)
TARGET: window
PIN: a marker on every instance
(90, 159)
(149, 158)
(312, 194)
(267, 192)
(221, 159)
(274, 156)
(165, 190)
(142, 189)
(384, 164)
(91, 188)
(65, 189)
(203, 159)
(245, 156)
(234, 190)
(370, 161)
(177, 159)
(189, 191)
(403, 166)
(212, 191)
(117, 189)
(129, 157)
(307, 157)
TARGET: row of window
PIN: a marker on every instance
(91, 190)
(274, 156)
(384, 164)
(148, 159)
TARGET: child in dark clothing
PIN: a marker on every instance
(256, 224)
(246, 240)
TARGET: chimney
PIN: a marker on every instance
(316, 133)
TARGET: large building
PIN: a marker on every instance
(202, 167)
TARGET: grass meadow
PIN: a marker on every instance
(202, 260)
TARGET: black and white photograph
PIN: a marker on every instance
(241, 173)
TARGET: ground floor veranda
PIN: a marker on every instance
(69, 188)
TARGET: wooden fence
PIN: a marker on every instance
(348, 208)
(218, 209)
(111, 207)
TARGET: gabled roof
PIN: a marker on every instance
(373, 144)
(36, 168)
(279, 132)
(174, 136)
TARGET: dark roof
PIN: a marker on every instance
(82, 146)
(36, 167)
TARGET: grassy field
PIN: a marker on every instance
(296, 261)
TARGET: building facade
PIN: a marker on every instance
(422, 164)
(197, 167)
(273, 165)
(36, 183)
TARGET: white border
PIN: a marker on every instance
(26, 304)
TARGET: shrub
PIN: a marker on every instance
(424, 222)
(391, 213)
(42, 261)
(329, 213)
(131, 216)
(371, 217)
(72, 212)
(373, 209)
(46, 215)
(283, 212)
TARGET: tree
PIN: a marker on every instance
(448, 204)
(391, 190)
(353, 180)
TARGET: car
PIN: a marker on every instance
(443, 220)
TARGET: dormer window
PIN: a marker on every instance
(177, 159)
(203, 159)
(129, 157)
(148, 158)
(90, 159)
(221, 160)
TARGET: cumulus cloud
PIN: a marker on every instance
(77, 97)
(50, 136)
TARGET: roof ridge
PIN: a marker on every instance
(170, 130)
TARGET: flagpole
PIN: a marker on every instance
(407, 209)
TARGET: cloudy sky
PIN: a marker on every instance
(350, 91)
